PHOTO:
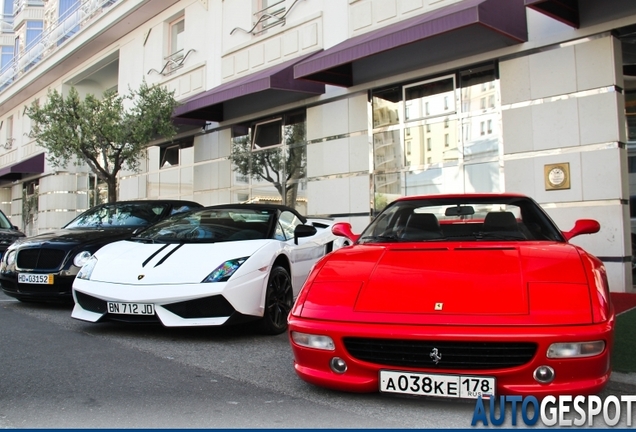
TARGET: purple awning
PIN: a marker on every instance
(274, 83)
(566, 11)
(461, 29)
(33, 165)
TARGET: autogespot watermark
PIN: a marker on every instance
(553, 410)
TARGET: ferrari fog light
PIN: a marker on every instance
(338, 365)
(82, 258)
(225, 271)
(575, 349)
(544, 374)
(87, 270)
(313, 341)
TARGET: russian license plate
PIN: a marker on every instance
(438, 385)
(39, 279)
(131, 308)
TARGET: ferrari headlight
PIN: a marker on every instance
(87, 269)
(575, 349)
(313, 341)
(10, 258)
(82, 258)
(225, 271)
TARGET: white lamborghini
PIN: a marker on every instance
(213, 266)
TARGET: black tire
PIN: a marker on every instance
(278, 302)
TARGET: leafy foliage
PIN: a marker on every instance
(107, 134)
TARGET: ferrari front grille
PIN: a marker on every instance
(40, 258)
(441, 354)
(207, 307)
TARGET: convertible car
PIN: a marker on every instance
(41, 268)
(457, 296)
(218, 265)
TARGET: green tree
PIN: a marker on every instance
(107, 133)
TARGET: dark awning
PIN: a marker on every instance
(455, 31)
(33, 165)
(566, 11)
(260, 90)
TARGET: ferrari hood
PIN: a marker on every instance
(129, 262)
(471, 283)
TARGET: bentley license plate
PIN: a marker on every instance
(131, 308)
(438, 385)
(39, 279)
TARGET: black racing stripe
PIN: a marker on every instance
(154, 255)
(167, 255)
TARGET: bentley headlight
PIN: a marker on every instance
(86, 271)
(10, 258)
(82, 258)
(575, 349)
(223, 272)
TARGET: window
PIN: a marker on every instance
(6, 57)
(430, 98)
(177, 29)
(267, 134)
(68, 18)
(267, 13)
(169, 156)
(33, 33)
(446, 140)
(9, 131)
(7, 11)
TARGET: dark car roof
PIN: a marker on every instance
(259, 206)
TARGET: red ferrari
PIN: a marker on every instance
(457, 296)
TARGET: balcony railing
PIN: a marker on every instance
(68, 25)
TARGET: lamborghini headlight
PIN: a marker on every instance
(225, 271)
(575, 349)
(87, 269)
(82, 258)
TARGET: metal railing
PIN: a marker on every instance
(65, 28)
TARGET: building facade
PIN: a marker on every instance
(338, 107)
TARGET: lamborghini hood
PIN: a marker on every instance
(129, 262)
(517, 284)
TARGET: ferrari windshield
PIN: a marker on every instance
(117, 215)
(462, 219)
(212, 225)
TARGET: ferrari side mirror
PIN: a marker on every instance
(582, 226)
(343, 229)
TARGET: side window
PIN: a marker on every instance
(181, 209)
(288, 222)
(279, 234)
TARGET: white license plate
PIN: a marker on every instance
(131, 308)
(438, 385)
(39, 279)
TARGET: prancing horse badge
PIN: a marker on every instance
(438, 306)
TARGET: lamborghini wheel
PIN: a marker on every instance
(278, 302)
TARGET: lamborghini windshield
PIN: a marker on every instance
(212, 225)
(462, 219)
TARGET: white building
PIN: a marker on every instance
(341, 105)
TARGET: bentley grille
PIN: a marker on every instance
(449, 355)
(40, 258)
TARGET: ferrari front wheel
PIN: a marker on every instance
(278, 302)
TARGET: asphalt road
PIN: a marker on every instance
(56, 372)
